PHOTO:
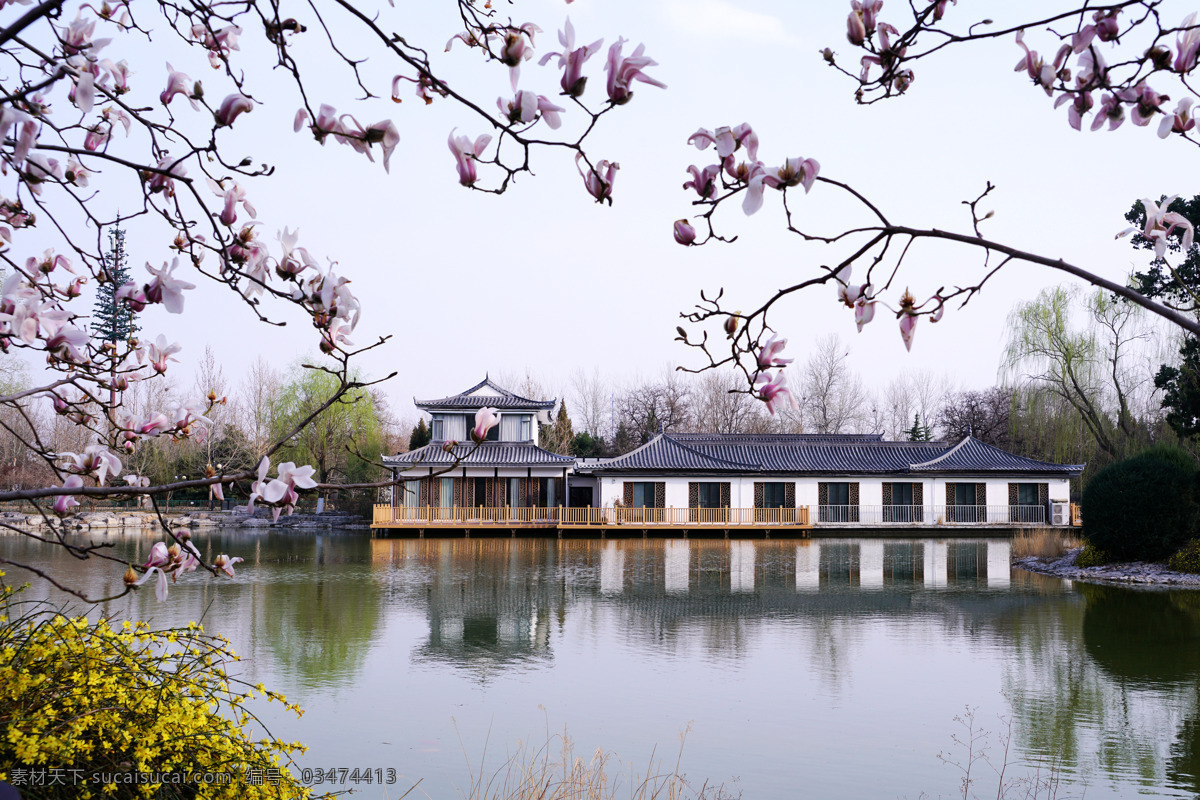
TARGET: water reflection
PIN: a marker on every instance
(805, 638)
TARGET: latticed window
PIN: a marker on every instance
(774, 495)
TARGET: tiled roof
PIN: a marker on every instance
(489, 454)
(972, 455)
(503, 399)
(851, 454)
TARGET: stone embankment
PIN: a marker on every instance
(1134, 572)
(143, 520)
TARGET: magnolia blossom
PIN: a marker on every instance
(1187, 45)
(598, 180)
(908, 319)
(485, 420)
(517, 47)
(727, 140)
(66, 342)
(794, 172)
(624, 71)
(95, 460)
(774, 390)
(1081, 104)
(704, 181)
(178, 83)
(165, 288)
(232, 107)
(1034, 65)
(1112, 111)
(768, 356)
(571, 60)
(159, 353)
(528, 106)
(1179, 121)
(163, 180)
(864, 311)
(466, 153)
(1161, 223)
(685, 234)
(225, 563)
(1145, 103)
(281, 491)
(65, 501)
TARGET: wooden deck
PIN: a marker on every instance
(598, 520)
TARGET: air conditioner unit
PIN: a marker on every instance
(1060, 513)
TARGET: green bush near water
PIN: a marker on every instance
(1143, 508)
(1092, 556)
(1187, 559)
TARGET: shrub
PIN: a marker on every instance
(1187, 559)
(1142, 508)
(1092, 556)
(94, 699)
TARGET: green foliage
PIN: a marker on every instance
(113, 321)
(584, 445)
(1142, 508)
(330, 442)
(420, 436)
(559, 436)
(1187, 558)
(1181, 389)
(918, 432)
(1092, 556)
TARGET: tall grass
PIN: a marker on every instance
(553, 771)
(1044, 543)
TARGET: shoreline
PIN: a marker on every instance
(1139, 573)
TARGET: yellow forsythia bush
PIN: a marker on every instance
(92, 710)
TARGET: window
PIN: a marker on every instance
(526, 428)
(773, 495)
(411, 493)
(837, 505)
(480, 491)
(966, 504)
(643, 495)
(437, 429)
(709, 495)
(446, 498)
(546, 498)
(514, 492)
(904, 506)
(1027, 494)
(1028, 508)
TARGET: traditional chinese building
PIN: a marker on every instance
(707, 482)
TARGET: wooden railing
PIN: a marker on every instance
(458, 516)
(1076, 515)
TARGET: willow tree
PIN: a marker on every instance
(1099, 366)
(342, 442)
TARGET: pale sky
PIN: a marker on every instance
(544, 280)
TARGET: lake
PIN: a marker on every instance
(804, 668)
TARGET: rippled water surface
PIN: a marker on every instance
(825, 668)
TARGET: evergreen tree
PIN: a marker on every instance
(918, 432)
(420, 436)
(584, 445)
(113, 321)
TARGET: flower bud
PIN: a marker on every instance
(130, 577)
(685, 234)
(731, 325)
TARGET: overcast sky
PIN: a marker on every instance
(544, 280)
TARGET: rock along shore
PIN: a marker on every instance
(1133, 572)
(138, 520)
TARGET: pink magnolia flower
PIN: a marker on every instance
(727, 140)
(754, 175)
(160, 587)
(164, 180)
(598, 180)
(76, 38)
(1145, 102)
(795, 172)
(65, 501)
(528, 106)
(67, 343)
(132, 295)
(485, 420)
(177, 83)
(622, 72)
(466, 153)
(856, 31)
(165, 288)
(95, 460)
(1081, 103)
(1034, 65)
(571, 60)
(1161, 223)
(517, 47)
(768, 356)
(1111, 111)
(96, 136)
(1178, 121)
(908, 319)
(685, 234)
(232, 107)
(864, 311)
(774, 390)
(159, 353)
(159, 556)
(385, 134)
(704, 181)
(1187, 45)
(225, 563)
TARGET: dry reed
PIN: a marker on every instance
(552, 771)
(1044, 543)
